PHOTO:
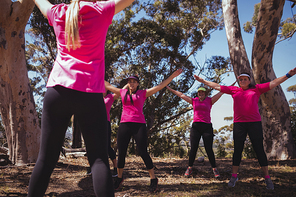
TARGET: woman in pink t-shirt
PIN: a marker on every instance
(247, 119)
(133, 123)
(201, 126)
(76, 86)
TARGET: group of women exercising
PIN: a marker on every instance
(76, 86)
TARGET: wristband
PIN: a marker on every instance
(288, 75)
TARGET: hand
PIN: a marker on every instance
(177, 72)
(197, 78)
(292, 72)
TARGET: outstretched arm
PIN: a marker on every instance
(43, 6)
(117, 95)
(180, 94)
(121, 4)
(155, 89)
(111, 88)
(213, 85)
(280, 80)
(216, 97)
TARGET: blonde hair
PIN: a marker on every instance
(71, 29)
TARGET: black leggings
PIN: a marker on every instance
(138, 131)
(111, 152)
(59, 105)
(255, 132)
(206, 131)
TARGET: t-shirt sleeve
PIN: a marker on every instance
(264, 87)
(226, 89)
(108, 10)
(50, 14)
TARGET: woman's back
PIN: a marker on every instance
(81, 68)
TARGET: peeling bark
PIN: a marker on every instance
(17, 105)
(274, 109)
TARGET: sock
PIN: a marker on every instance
(234, 175)
(267, 177)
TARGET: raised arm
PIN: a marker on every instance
(216, 97)
(280, 80)
(43, 6)
(180, 94)
(155, 89)
(113, 89)
(213, 85)
(117, 95)
(121, 4)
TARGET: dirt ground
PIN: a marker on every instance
(69, 179)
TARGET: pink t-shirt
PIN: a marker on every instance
(82, 69)
(245, 102)
(202, 110)
(130, 112)
(109, 99)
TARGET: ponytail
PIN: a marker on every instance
(71, 29)
(131, 98)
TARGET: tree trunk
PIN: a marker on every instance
(274, 109)
(76, 135)
(18, 111)
(237, 51)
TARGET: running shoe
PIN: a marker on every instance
(216, 173)
(269, 184)
(117, 183)
(232, 181)
(188, 172)
(153, 185)
(114, 173)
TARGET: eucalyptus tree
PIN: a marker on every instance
(17, 105)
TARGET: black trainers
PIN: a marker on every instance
(153, 185)
(117, 183)
(114, 172)
(88, 171)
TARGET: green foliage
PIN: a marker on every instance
(221, 152)
(2, 135)
(248, 26)
(286, 30)
(248, 151)
(292, 103)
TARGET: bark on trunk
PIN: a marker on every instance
(237, 51)
(274, 109)
(76, 135)
(17, 105)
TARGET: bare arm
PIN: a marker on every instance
(121, 4)
(155, 89)
(113, 89)
(43, 6)
(216, 97)
(213, 85)
(280, 80)
(180, 94)
(117, 95)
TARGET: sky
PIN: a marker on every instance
(284, 59)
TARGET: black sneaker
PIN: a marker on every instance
(153, 185)
(117, 183)
(114, 172)
(88, 171)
